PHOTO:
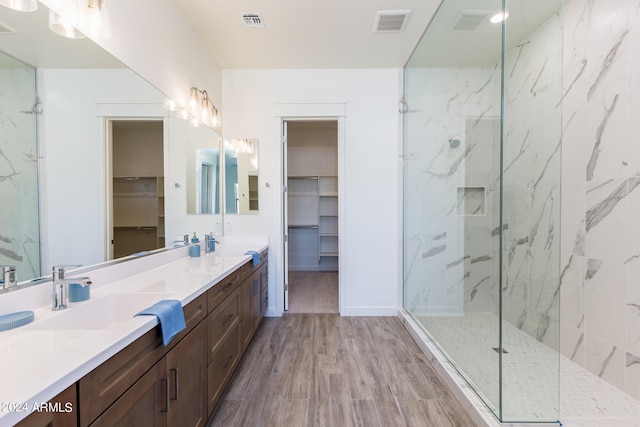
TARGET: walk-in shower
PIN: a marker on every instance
(482, 219)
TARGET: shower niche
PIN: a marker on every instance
(471, 201)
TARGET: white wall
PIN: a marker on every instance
(370, 156)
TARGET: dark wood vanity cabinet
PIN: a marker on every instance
(179, 385)
(61, 411)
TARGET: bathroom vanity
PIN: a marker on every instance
(122, 374)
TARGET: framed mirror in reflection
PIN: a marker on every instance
(203, 175)
(60, 194)
(241, 176)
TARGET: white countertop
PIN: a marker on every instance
(38, 361)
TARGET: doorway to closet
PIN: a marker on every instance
(135, 172)
(312, 198)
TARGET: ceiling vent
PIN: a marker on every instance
(252, 20)
(5, 29)
(469, 20)
(390, 20)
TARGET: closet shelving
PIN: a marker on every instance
(312, 219)
(253, 192)
(138, 212)
(328, 216)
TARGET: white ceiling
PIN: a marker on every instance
(306, 34)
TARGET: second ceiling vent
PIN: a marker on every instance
(252, 20)
(390, 20)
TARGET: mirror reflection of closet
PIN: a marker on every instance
(241, 176)
(138, 207)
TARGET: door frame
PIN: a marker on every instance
(309, 112)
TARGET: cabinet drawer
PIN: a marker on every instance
(246, 270)
(194, 313)
(106, 383)
(222, 366)
(58, 418)
(146, 403)
(102, 386)
(221, 290)
(264, 256)
(221, 321)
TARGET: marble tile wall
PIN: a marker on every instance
(600, 282)
(452, 123)
(531, 181)
(19, 226)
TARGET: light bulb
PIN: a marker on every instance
(63, 26)
(194, 122)
(170, 104)
(183, 114)
(205, 113)
(499, 17)
(96, 20)
(215, 118)
(193, 99)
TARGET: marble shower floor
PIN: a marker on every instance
(530, 374)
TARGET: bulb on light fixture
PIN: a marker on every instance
(215, 118)
(205, 112)
(170, 105)
(63, 26)
(183, 114)
(194, 122)
(95, 21)
(21, 5)
(193, 98)
(499, 17)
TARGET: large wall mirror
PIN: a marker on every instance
(80, 89)
(241, 176)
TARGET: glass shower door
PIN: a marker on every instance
(452, 190)
(482, 132)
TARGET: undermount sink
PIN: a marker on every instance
(102, 313)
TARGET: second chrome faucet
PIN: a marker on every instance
(59, 296)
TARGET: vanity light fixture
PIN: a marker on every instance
(499, 17)
(20, 5)
(202, 106)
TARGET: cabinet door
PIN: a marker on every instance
(63, 415)
(145, 404)
(246, 310)
(222, 367)
(264, 285)
(186, 371)
(256, 300)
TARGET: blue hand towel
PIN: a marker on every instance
(171, 318)
(255, 256)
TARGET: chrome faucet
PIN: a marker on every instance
(183, 242)
(8, 276)
(60, 293)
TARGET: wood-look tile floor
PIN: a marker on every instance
(313, 292)
(327, 370)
